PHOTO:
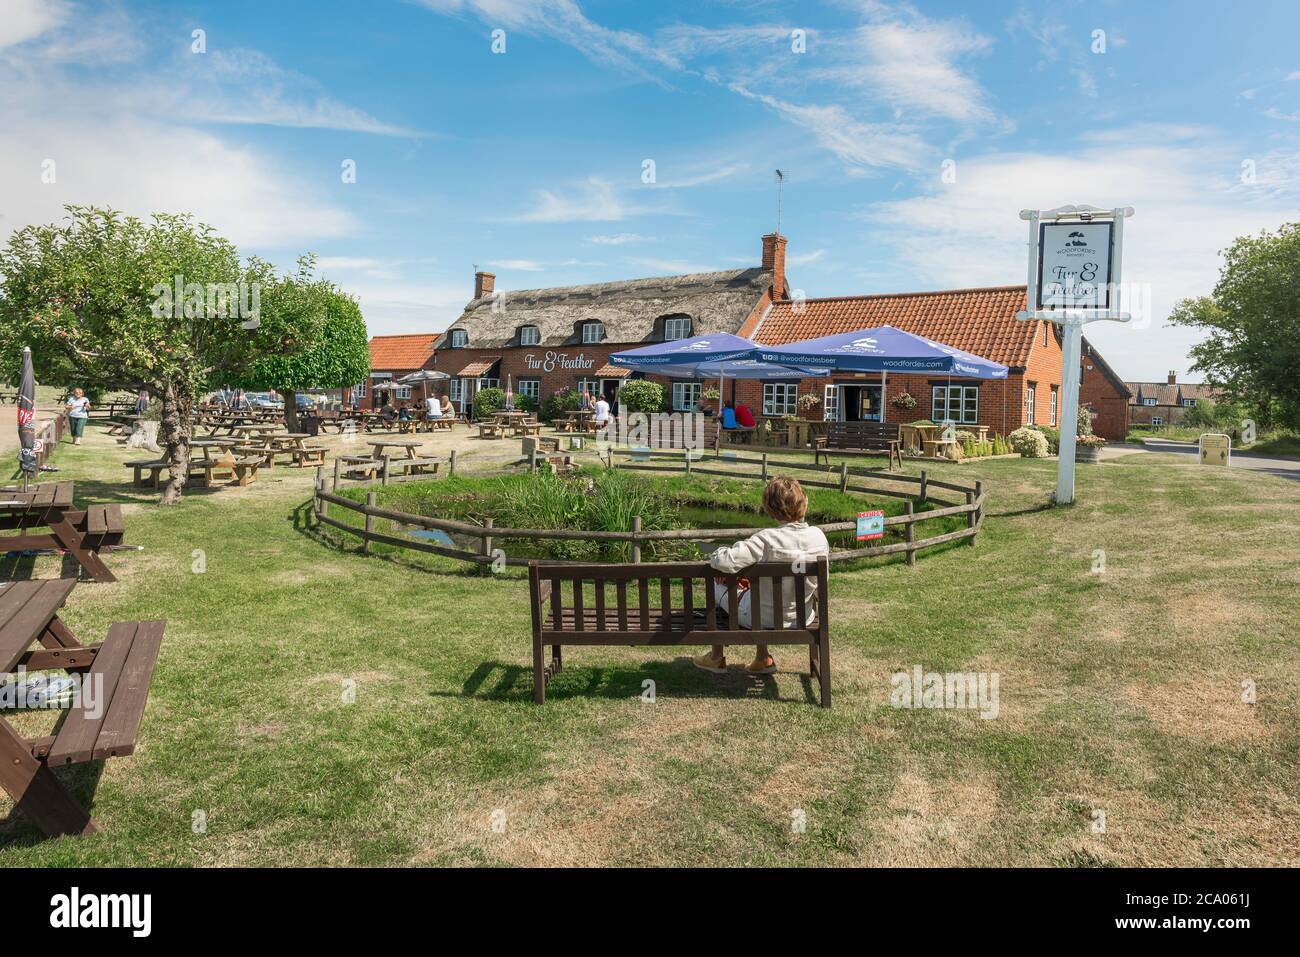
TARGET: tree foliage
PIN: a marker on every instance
(1252, 321)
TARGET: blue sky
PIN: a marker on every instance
(532, 162)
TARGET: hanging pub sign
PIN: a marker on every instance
(1074, 265)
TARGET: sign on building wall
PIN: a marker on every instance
(1074, 265)
(550, 361)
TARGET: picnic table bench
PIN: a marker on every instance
(696, 619)
(121, 669)
(859, 438)
(360, 466)
(491, 430)
(82, 533)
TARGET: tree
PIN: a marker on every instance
(641, 395)
(113, 301)
(335, 354)
(1252, 352)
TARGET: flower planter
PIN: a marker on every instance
(1087, 453)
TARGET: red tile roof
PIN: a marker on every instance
(608, 371)
(475, 369)
(401, 352)
(982, 321)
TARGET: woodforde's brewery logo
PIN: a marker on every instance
(551, 361)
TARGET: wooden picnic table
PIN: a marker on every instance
(120, 669)
(410, 445)
(206, 445)
(577, 420)
(79, 533)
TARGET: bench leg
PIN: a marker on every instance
(71, 540)
(557, 660)
(539, 672)
(37, 792)
(824, 669)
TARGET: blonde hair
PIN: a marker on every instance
(784, 499)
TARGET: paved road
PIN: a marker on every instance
(1285, 468)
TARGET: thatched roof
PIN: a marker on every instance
(632, 310)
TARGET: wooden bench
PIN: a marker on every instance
(154, 466)
(100, 526)
(527, 428)
(119, 670)
(859, 438)
(360, 466)
(491, 430)
(415, 466)
(695, 618)
(309, 455)
(445, 422)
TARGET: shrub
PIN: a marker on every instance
(487, 401)
(903, 400)
(559, 402)
(525, 403)
(641, 395)
(1085, 420)
(1030, 443)
(1001, 446)
(1052, 435)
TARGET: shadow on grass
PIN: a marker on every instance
(81, 780)
(499, 681)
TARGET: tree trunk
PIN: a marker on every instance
(174, 435)
(290, 410)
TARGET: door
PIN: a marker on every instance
(870, 405)
(609, 389)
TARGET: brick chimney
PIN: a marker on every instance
(1173, 377)
(483, 284)
(774, 259)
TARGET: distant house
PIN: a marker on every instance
(392, 357)
(1165, 403)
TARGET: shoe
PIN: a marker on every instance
(706, 662)
(761, 666)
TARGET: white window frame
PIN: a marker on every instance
(456, 393)
(831, 403)
(1051, 409)
(485, 383)
(359, 390)
(965, 397)
(592, 386)
(686, 396)
(459, 339)
(402, 392)
(1189, 403)
(1157, 420)
(530, 336)
(1149, 402)
(1031, 399)
(675, 323)
(780, 398)
(587, 337)
(532, 388)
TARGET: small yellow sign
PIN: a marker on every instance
(1216, 449)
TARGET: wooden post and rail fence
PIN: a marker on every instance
(919, 489)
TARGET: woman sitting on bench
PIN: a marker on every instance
(793, 540)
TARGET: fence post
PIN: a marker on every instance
(925, 485)
(686, 454)
(383, 472)
(532, 460)
(970, 516)
(320, 476)
(338, 473)
(636, 545)
(488, 524)
(844, 477)
(370, 523)
(764, 468)
(451, 466)
(979, 507)
(909, 534)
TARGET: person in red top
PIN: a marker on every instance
(744, 418)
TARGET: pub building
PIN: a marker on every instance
(543, 340)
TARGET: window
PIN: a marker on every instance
(459, 338)
(359, 390)
(686, 396)
(1030, 391)
(1051, 411)
(593, 332)
(955, 403)
(591, 385)
(529, 335)
(1157, 420)
(831, 404)
(780, 398)
(486, 383)
(531, 388)
(1188, 403)
(402, 392)
(1148, 401)
(456, 392)
(677, 327)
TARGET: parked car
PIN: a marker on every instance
(264, 400)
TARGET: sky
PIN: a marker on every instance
(557, 142)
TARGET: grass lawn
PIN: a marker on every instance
(1120, 692)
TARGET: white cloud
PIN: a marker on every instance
(619, 239)
(24, 20)
(594, 200)
(1188, 208)
(805, 259)
(522, 265)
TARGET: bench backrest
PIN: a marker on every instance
(853, 433)
(659, 603)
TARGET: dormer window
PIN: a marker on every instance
(459, 339)
(677, 327)
(592, 332)
(530, 336)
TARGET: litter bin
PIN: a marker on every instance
(311, 424)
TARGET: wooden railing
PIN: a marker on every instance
(484, 554)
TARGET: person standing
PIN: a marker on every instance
(78, 409)
(602, 413)
(142, 402)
